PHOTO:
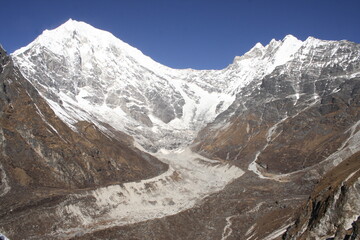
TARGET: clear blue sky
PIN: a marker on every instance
(201, 34)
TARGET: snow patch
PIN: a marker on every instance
(2, 237)
(4, 182)
(277, 233)
(270, 136)
(227, 229)
(5, 186)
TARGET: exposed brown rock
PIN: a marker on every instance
(330, 205)
(301, 138)
(42, 159)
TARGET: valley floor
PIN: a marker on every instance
(189, 179)
(247, 208)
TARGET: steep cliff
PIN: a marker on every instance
(333, 208)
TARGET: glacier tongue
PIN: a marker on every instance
(190, 179)
(88, 74)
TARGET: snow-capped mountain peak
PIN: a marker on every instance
(287, 48)
(89, 74)
(76, 37)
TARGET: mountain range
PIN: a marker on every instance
(99, 141)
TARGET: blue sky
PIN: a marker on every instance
(201, 34)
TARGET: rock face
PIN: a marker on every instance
(333, 208)
(32, 135)
(294, 117)
(277, 125)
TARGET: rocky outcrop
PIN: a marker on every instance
(333, 208)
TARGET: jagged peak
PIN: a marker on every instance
(290, 37)
(255, 51)
(312, 42)
(72, 21)
(2, 48)
(290, 41)
(2, 51)
(311, 38)
(273, 42)
(278, 51)
(258, 46)
(287, 39)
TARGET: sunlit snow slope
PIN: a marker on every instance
(88, 74)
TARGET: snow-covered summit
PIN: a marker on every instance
(74, 34)
(89, 74)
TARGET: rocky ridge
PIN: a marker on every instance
(311, 104)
